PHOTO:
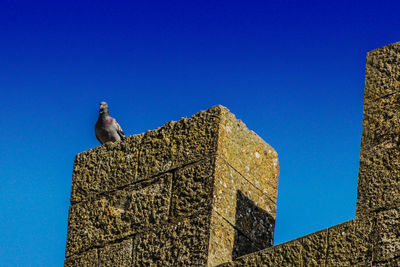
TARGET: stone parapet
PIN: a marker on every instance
(202, 192)
(199, 191)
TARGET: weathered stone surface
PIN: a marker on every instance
(161, 188)
(192, 189)
(86, 259)
(381, 121)
(105, 168)
(350, 243)
(181, 244)
(243, 245)
(222, 237)
(382, 71)
(228, 181)
(389, 263)
(178, 143)
(246, 207)
(117, 254)
(379, 179)
(388, 235)
(314, 248)
(286, 254)
(256, 224)
(114, 216)
(340, 244)
(347, 244)
(247, 153)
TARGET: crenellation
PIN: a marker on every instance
(202, 191)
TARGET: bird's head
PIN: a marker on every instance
(103, 108)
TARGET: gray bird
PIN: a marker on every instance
(107, 128)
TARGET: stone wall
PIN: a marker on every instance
(199, 191)
(373, 237)
(202, 191)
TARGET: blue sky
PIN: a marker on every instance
(293, 71)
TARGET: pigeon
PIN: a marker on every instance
(107, 128)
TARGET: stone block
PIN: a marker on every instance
(381, 121)
(388, 235)
(115, 216)
(382, 71)
(184, 243)
(314, 248)
(350, 243)
(117, 254)
(178, 143)
(85, 259)
(192, 189)
(222, 238)
(247, 153)
(254, 223)
(243, 205)
(379, 179)
(243, 245)
(286, 254)
(105, 168)
(162, 188)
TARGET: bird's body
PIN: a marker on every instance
(107, 128)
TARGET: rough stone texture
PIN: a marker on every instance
(381, 122)
(350, 243)
(382, 71)
(387, 235)
(182, 244)
(380, 139)
(86, 259)
(255, 226)
(244, 206)
(373, 238)
(380, 174)
(104, 168)
(287, 254)
(228, 182)
(347, 244)
(247, 153)
(114, 216)
(222, 237)
(314, 248)
(163, 189)
(202, 191)
(179, 143)
(192, 189)
(117, 254)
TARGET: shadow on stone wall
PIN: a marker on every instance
(255, 219)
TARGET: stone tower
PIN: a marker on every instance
(202, 192)
(199, 191)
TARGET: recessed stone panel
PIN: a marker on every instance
(192, 189)
(184, 243)
(105, 168)
(114, 216)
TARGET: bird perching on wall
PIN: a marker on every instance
(107, 128)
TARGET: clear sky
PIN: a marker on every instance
(293, 71)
